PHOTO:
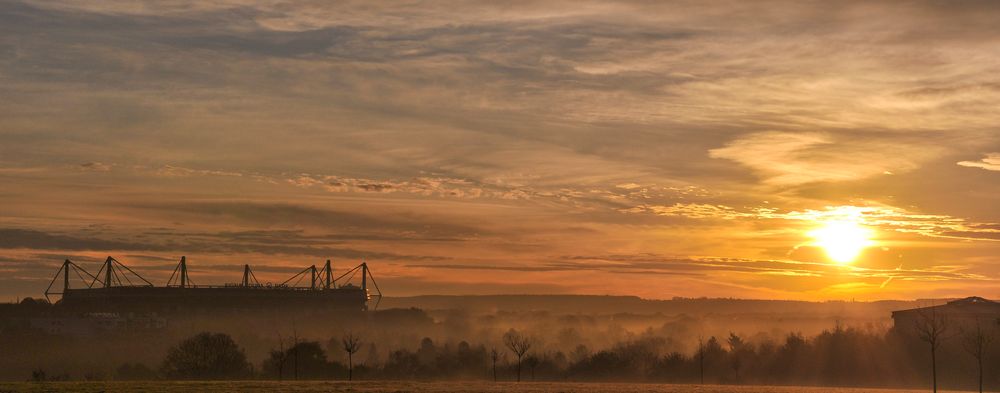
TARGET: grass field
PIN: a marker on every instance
(407, 386)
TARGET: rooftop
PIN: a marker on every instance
(970, 305)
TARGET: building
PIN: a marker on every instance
(119, 290)
(955, 315)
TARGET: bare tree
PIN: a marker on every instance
(519, 344)
(295, 351)
(351, 345)
(279, 355)
(976, 342)
(932, 329)
(494, 356)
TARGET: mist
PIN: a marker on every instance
(681, 340)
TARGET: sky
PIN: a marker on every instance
(676, 148)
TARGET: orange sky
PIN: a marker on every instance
(660, 150)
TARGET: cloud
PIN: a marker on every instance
(887, 218)
(429, 186)
(991, 162)
(705, 267)
(667, 264)
(176, 171)
(95, 166)
(479, 133)
(692, 210)
(400, 226)
(218, 243)
(795, 158)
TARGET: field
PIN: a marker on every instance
(409, 386)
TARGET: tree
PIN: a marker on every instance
(931, 328)
(427, 353)
(976, 342)
(294, 351)
(275, 362)
(532, 361)
(712, 356)
(519, 344)
(494, 356)
(311, 360)
(701, 359)
(351, 345)
(579, 354)
(736, 349)
(279, 357)
(206, 356)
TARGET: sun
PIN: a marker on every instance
(842, 241)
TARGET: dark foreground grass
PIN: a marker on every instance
(408, 386)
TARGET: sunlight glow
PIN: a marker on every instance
(843, 241)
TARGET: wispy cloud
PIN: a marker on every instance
(288, 243)
(95, 166)
(991, 162)
(884, 217)
(794, 158)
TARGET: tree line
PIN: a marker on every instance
(840, 356)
